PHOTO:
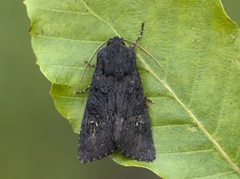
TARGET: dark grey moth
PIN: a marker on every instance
(116, 115)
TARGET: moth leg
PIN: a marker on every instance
(149, 100)
(82, 91)
(90, 65)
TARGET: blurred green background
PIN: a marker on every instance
(35, 141)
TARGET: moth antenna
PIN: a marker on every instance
(154, 59)
(139, 37)
(133, 44)
(87, 64)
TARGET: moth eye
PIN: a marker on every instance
(110, 41)
(122, 42)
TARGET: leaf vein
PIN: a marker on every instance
(215, 175)
(200, 126)
(97, 16)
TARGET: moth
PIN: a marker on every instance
(116, 116)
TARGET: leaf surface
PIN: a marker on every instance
(196, 111)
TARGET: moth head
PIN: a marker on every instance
(115, 40)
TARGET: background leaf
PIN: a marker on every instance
(195, 115)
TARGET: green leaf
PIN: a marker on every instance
(196, 111)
